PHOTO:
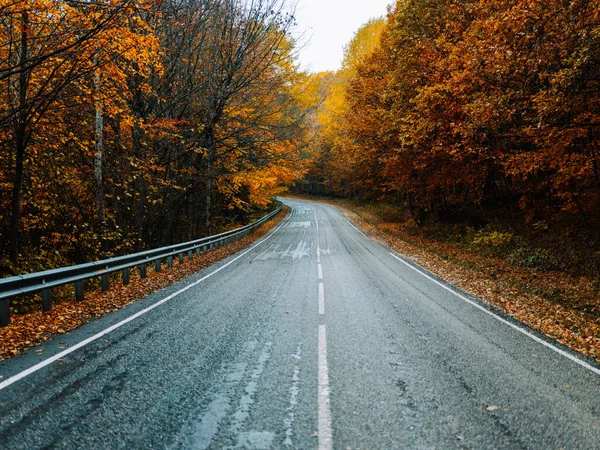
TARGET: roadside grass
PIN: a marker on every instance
(535, 275)
(34, 327)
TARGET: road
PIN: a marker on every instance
(315, 337)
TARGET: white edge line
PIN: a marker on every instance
(510, 324)
(97, 336)
(320, 271)
(353, 226)
(324, 408)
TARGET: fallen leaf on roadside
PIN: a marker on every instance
(493, 408)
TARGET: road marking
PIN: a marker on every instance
(116, 326)
(318, 243)
(217, 409)
(240, 416)
(321, 299)
(353, 226)
(324, 409)
(294, 391)
(325, 435)
(510, 324)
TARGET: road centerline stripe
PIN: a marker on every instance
(504, 321)
(321, 299)
(324, 408)
(118, 325)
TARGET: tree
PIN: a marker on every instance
(44, 49)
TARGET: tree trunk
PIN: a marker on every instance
(15, 218)
(208, 202)
(211, 145)
(98, 175)
(139, 183)
(20, 144)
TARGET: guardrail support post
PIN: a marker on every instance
(204, 249)
(46, 300)
(170, 261)
(105, 284)
(190, 254)
(180, 257)
(157, 265)
(79, 291)
(142, 270)
(125, 276)
(197, 251)
(4, 312)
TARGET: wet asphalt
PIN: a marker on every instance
(233, 362)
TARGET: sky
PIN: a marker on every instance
(327, 25)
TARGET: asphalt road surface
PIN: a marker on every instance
(315, 337)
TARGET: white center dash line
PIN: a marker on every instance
(324, 419)
(321, 299)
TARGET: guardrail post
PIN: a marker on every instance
(142, 268)
(180, 257)
(125, 276)
(197, 251)
(46, 300)
(157, 265)
(4, 312)
(105, 283)
(204, 248)
(79, 291)
(170, 261)
(190, 254)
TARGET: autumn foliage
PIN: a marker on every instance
(469, 108)
(129, 124)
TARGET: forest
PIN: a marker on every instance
(130, 124)
(470, 112)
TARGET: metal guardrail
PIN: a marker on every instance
(44, 281)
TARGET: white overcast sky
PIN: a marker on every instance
(328, 25)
